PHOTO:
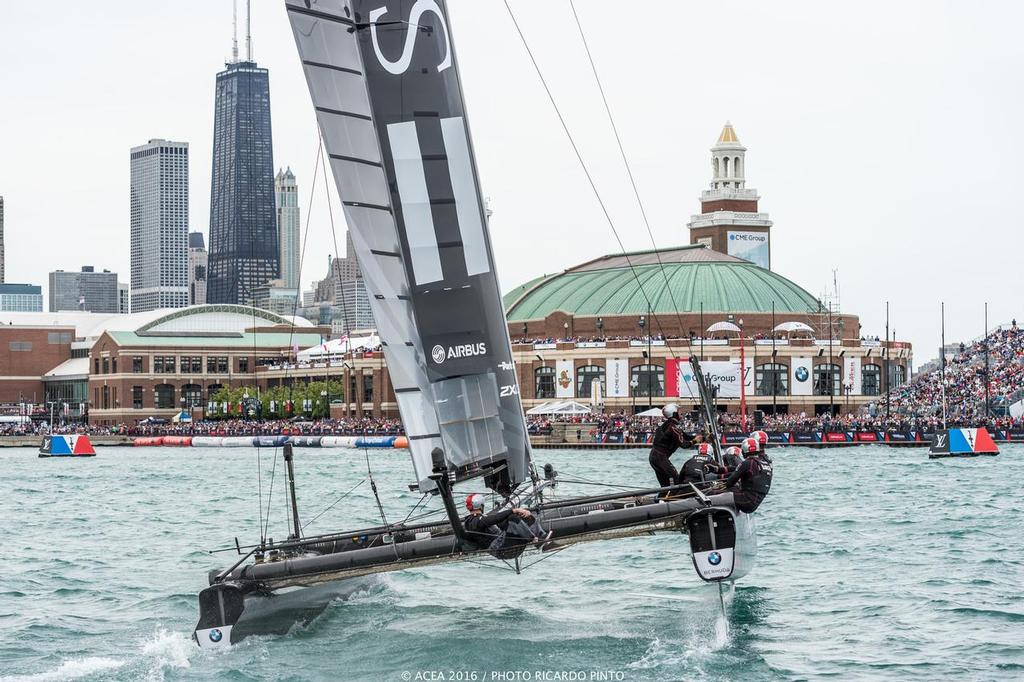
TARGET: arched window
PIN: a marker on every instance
(544, 382)
(736, 167)
(193, 395)
(584, 376)
(211, 391)
(716, 166)
(649, 381)
(871, 380)
(725, 167)
(827, 379)
(771, 378)
(163, 398)
(897, 375)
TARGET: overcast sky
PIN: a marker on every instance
(885, 138)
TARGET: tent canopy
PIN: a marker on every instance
(793, 327)
(653, 412)
(337, 348)
(556, 407)
(723, 327)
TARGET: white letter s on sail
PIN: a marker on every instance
(400, 67)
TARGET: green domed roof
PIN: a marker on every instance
(696, 275)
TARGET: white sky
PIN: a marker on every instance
(884, 137)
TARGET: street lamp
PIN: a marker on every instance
(633, 385)
(600, 328)
(565, 334)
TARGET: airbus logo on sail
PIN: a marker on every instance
(465, 350)
(418, 10)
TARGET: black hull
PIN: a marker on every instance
(227, 607)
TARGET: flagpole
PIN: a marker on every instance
(943, 354)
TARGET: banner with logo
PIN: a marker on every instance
(617, 376)
(724, 377)
(851, 375)
(565, 381)
(748, 374)
(800, 380)
(751, 246)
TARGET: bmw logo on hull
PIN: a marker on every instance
(215, 635)
(714, 558)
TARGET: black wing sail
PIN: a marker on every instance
(384, 82)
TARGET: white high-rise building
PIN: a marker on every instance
(124, 301)
(159, 224)
(286, 200)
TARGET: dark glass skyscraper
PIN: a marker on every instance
(243, 224)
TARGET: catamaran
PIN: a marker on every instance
(385, 86)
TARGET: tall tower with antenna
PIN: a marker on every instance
(243, 251)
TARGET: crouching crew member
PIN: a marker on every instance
(502, 530)
(668, 438)
(732, 458)
(752, 480)
(701, 467)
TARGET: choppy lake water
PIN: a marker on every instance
(874, 563)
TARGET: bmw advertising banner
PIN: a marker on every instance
(800, 376)
(751, 246)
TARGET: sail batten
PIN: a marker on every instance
(389, 105)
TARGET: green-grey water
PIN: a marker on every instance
(874, 563)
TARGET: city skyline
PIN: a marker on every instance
(881, 143)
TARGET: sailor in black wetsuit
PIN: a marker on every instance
(668, 437)
(701, 467)
(732, 458)
(506, 529)
(754, 477)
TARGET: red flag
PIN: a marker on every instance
(672, 377)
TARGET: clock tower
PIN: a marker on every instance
(729, 221)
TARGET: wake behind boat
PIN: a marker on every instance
(385, 87)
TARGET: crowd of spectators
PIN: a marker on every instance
(964, 381)
(353, 426)
(913, 406)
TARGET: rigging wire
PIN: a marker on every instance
(331, 506)
(625, 162)
(291, 329)
(586, 172)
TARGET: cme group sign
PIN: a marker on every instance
(751, 246)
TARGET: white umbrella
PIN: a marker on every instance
(793, 327)
(723, 327)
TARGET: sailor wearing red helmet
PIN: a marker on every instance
(701, 467)
(752, 480)
(732, 457)
(668, 438)
(762, 439)
(503, 529)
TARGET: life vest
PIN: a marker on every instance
(760, 476)
(665, 439)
